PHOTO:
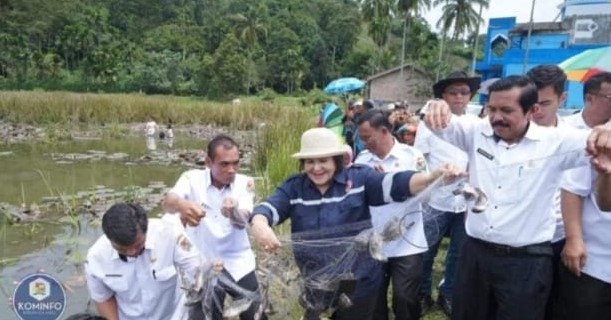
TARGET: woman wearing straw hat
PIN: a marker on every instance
(334, 201)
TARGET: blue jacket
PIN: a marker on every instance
(339, 214)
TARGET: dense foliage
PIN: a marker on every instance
(214, 48)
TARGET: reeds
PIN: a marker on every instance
(45, 108)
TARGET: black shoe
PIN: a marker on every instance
(445, 305)
(426, 303)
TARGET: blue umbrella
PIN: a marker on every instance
(343, 85)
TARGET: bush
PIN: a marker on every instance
(315, 96)
(267, 94)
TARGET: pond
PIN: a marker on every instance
(57, 176)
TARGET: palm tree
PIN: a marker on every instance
(481, 8)
(458, 17)
(250, 28)
(379, 14)
(408, 9)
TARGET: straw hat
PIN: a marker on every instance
(456, 76)
(319, 143)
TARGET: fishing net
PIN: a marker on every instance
(317, 272)
(312, 274)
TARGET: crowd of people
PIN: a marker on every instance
(539, 250)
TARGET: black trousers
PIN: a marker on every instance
(552, 307)
(248, 282)
(405, 273)
(501, 282)
(584, 297)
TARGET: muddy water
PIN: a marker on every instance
(56, 242)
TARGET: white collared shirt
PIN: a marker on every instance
(215, 237)
(413, 241)
(519, 179)
(596, 224)
(145, 287)
(574, 121)
(438, 152)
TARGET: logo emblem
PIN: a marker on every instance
(40, 289)
(39, 296)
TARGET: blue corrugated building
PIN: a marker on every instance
(581, 25)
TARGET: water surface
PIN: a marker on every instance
(59, 243)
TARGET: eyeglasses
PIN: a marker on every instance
(606, 96)
(456, 92)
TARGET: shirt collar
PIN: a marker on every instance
(208, 182)
(149, 244)
(395, 152)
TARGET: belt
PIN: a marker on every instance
(542, 249)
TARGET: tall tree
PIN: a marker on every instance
(409, 9)
(378, 13)
(250, 28)
(459, 16)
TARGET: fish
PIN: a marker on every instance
(369, 240)
(236, 307)
(481, 202)
(230, 211)
(376, 247)
(474, 194)
(196, 292)
(344, 302)
(361, 240)
(392, 230)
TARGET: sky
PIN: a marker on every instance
(545, 11)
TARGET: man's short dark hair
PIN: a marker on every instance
(548, 75)
(223, 140)
(368, 105)
(528, 93)
(592, 85)
(122, 222)
(377, 119)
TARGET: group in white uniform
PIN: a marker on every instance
(518, 177)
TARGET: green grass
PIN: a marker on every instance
(438, 267)
(62, 108)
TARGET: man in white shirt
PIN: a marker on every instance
(585, 285)
(587, 251)
(445, 214)
(150, 127)
(199, 197)
(404, 267)
(550, 81)
(131, 270)
(595, 112)
(506, 272)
